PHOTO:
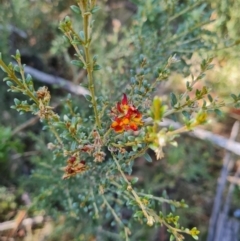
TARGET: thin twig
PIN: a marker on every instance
(137, 198)
(126, 229)
(185, 10)
(26, 124)
(25, 154)
(95, 205)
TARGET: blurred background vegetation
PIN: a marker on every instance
(191, 29)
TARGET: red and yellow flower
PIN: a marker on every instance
(126, 116)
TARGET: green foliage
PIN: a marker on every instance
(7, 147)
(7, 203)
(95, 148)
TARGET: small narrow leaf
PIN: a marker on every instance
(210, 66)
(77, 63)
(138, 214)
(75, 9)
(131, 138)
(218, 112)
(133, 80)
(172, 238)
(28, 78)
(73, 146)
(210, 98)
(18, 55)
(95, 58)
(88, 97)
(173, 99)
(186, 115)
(195, 237)
(65, 118)
(147, 157)
(173, 208)
(16, 68)
(234, 97)
(81, 34)
(134, 148)
(16, 101)
(3, 69)
(134, 180)
(96, 67)
(9, 83)
(95, 9)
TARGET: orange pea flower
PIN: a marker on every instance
(126, 116)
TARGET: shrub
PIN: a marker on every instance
(96, 148)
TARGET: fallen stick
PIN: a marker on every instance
(234, 180)
(9, 225)
(229, 145)
(54, 80)
(14, 29)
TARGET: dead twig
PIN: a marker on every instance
(10, 225)
(25, 154)
(26, 124)
(17, 221)
(234, 180)
(54, 80)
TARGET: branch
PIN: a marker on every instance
(26, 222)
(54, 80)
(201, 134)
(26, 124)
(13, 29)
